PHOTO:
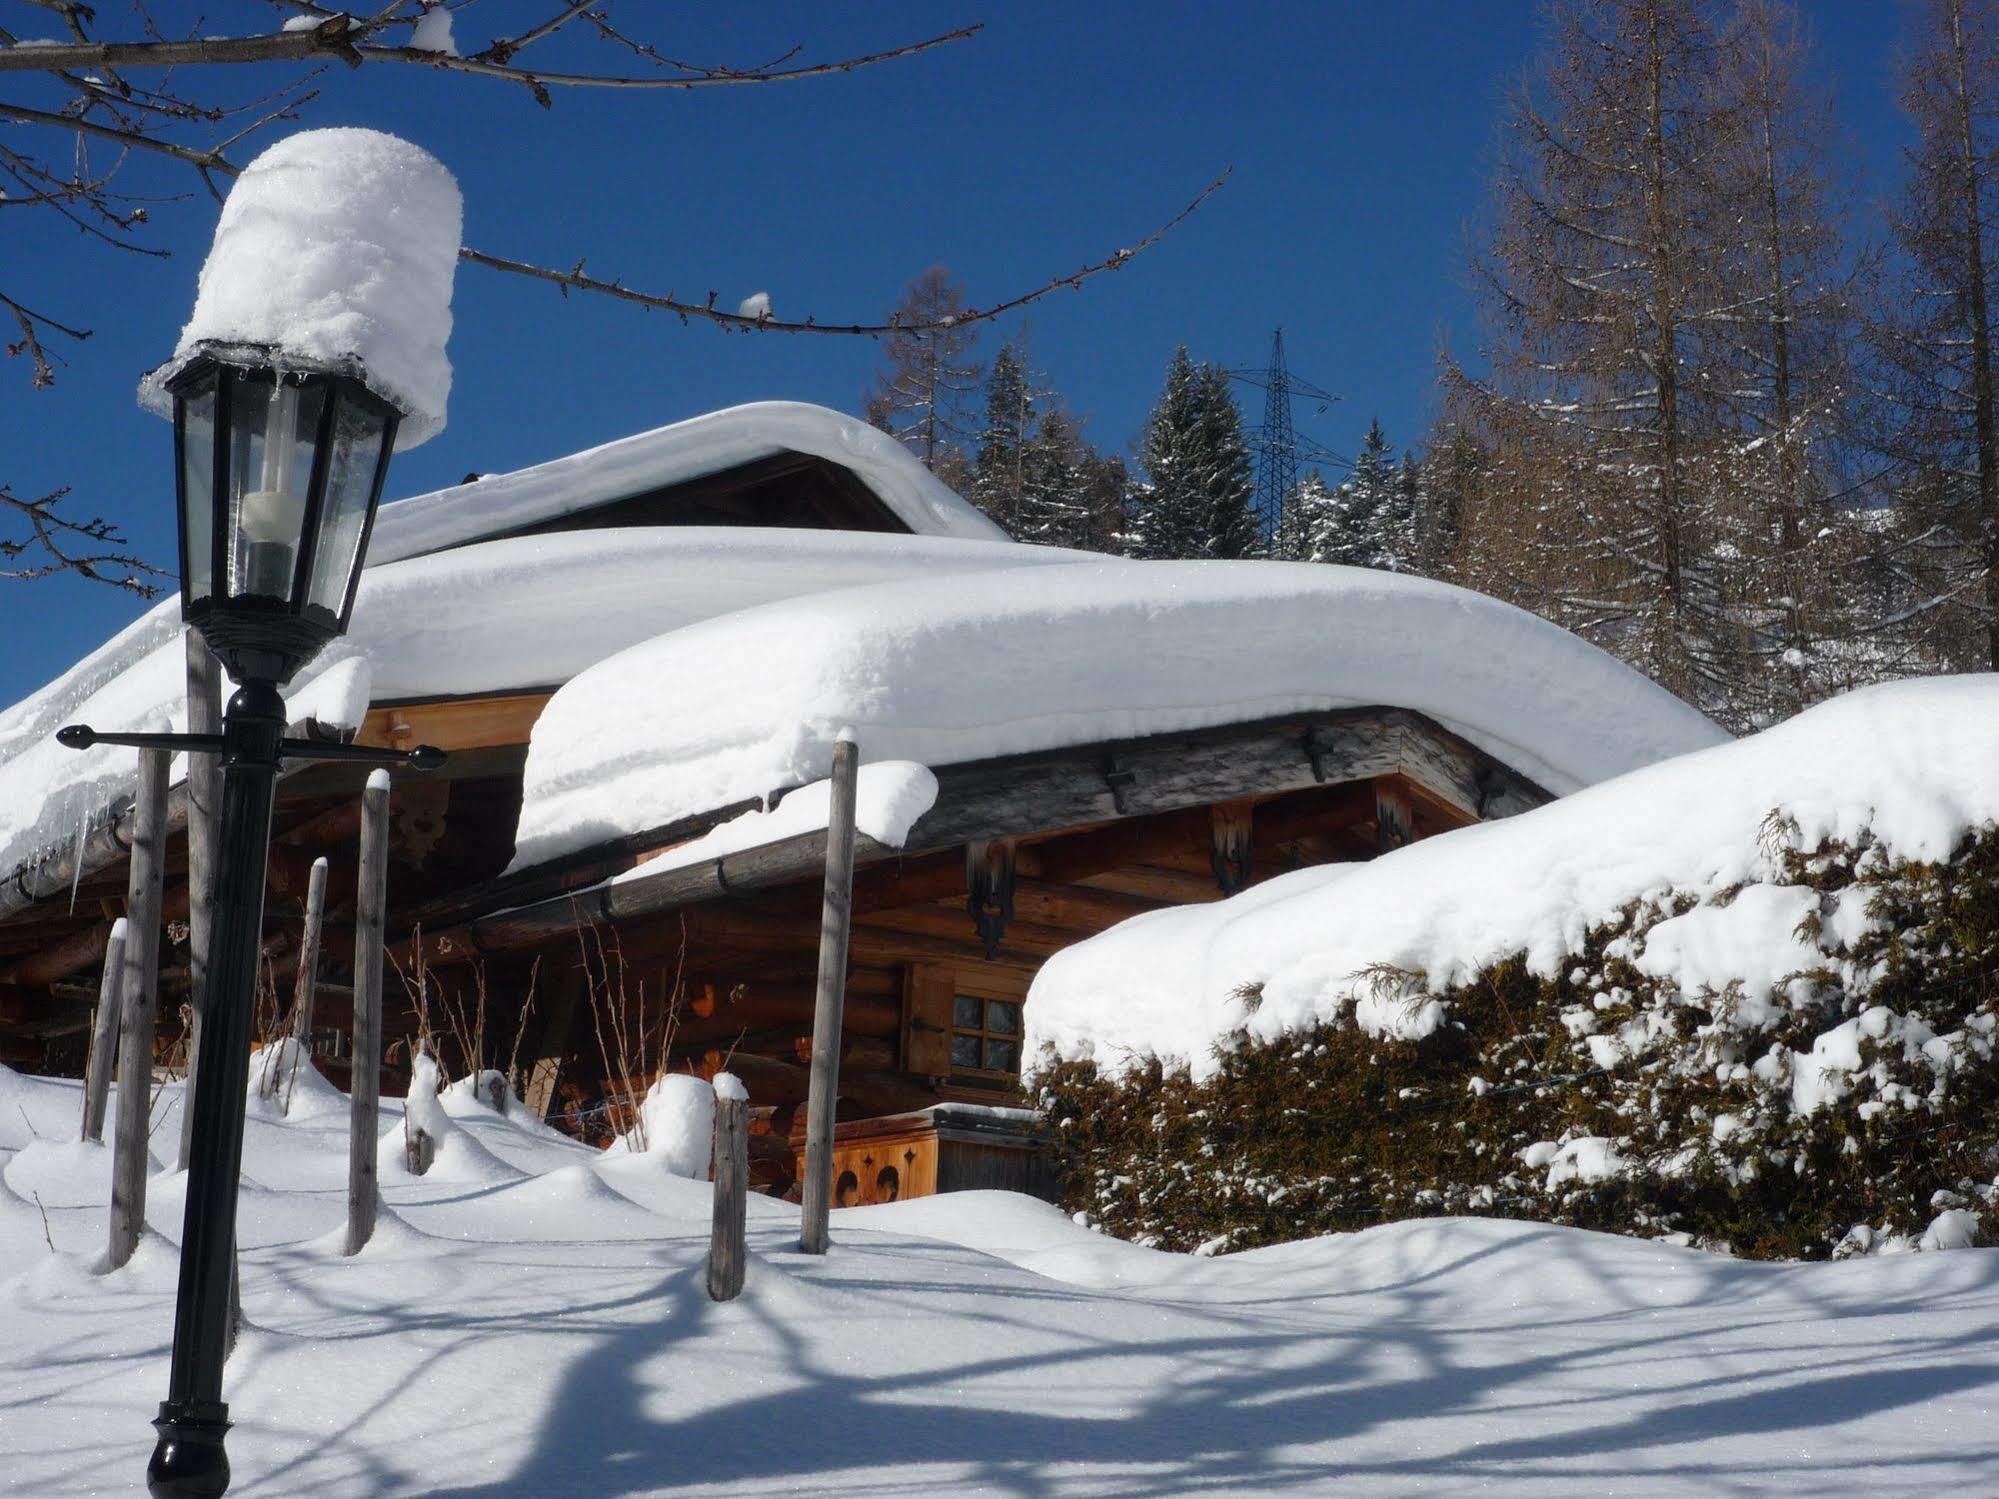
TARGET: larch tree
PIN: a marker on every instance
(924, 394)
(1787, 539)
(1939, 341)
(1656, 285)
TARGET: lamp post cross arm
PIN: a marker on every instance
(422, 757)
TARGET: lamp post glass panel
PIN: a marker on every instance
(279, 474)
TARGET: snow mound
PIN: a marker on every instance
(1910, 762)
(63, 1173)
(335, 250)
(458, 1158)
(942, 671)
(676, 1126)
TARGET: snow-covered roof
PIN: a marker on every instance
(944, 671)
(529, 611)
(1910, 762)
(677, 454)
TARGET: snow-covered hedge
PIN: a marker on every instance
(1793, 1060)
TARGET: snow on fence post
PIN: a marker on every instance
(727, 1254)
(137, 1004)
(104, 1035)
(835, 918)
(204, 825)
(365, 1080)
(307, 985)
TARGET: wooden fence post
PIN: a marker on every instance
(104, 1037)
(727, 1253)
(365, 1080)
(308, 980)
(835, 918)
(204, 824)
(137, 1005)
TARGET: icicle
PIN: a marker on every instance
(76, 855)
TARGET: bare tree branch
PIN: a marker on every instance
(574, 279)
(54, 536)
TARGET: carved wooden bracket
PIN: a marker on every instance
(1394, 817)
(1231, 827)
(989, 885)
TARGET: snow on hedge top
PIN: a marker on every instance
(1912, 762)
(675, 454)
(529, 611)
(946, 670)
(336, 248)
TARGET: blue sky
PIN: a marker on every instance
(1359, 133)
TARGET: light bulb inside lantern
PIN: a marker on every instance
(272, 515)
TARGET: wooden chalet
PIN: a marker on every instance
(568, 978)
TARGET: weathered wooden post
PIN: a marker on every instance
(835, 917)
(365, 1081)
(104, 1036)
(140, 985)
(727, 1253)
(204, 822)
(307, 985)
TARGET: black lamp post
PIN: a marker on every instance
(279, 474)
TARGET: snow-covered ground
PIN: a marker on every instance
(531, 1320)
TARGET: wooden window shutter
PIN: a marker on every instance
(926, 1018)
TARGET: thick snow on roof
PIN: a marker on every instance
(686, 450)
(336, 248)
(946, 670)
(531, 611)
(1912, 762)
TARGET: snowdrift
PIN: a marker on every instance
(549, 1335)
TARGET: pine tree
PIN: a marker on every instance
(1107, 493)
(1055, 506)
(1170, 512)
(999, 464)
(921, 396)
(1313, 508)
(1232, 529)
(1352, 530)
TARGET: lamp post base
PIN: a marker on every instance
(188, 1460)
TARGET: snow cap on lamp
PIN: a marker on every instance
(335, 251)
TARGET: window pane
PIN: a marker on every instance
(1003, 1056)
(964, 1051)
(965, 1012)
(350, 483)
(198, 483)
(1002, 1017)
